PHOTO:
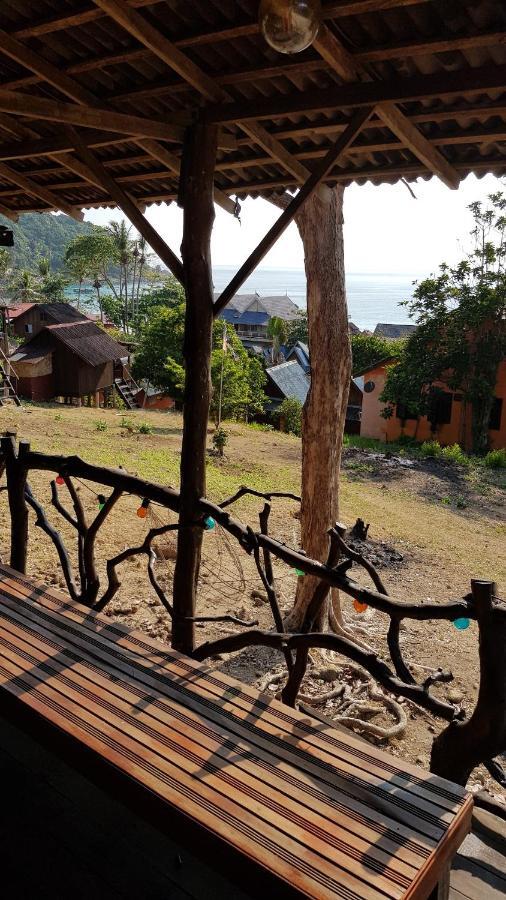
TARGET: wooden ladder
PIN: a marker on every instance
(7, 389)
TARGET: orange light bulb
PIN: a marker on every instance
(359, 607)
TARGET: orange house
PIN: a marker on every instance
(453, 416)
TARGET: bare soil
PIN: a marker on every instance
(434, 526)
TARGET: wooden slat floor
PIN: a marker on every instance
(479, 868)
(324, 814)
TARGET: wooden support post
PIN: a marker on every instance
(16, 483)
(464, 745)
(197, 172)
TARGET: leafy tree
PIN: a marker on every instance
(461, 335)
(290, 413)
(256, 383)
(25, 287)
(368, 349)
(53, 286)
(159, 358)
(298, 329)
(277, 330)
(92, 255)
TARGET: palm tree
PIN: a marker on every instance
(120, 233)
(25, 287)
(278, 332)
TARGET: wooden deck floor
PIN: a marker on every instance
(479, 869)
(319, 814)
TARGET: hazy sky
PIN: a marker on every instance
(386, 230)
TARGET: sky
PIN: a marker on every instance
(386, 229)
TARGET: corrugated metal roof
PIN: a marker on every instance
(244, 318)
(62, 312)
(443, 62)
(394, 331)
(290, 379)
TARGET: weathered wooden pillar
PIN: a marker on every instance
(16, 482)
(320, 224)
(196, 193)
(464, 745)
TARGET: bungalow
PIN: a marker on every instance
(28, 319)
(250, 315)
(449, 421)
(292, 379)
(70, 359)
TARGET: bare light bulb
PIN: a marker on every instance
(290, 26)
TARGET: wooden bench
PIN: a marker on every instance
(287, 805)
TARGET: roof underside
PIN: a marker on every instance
(442, 62)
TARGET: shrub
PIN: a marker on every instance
(430, 448)
(290, 414)
(455, 454)
(145, 428)
(496, 459)
(128, 424)
(220, 440)
(100, 425)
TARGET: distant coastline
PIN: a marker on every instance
(372, 298)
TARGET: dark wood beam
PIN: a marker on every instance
(398, 90)
(138, 26)
(288, 215)
(248, 27)
(87, 117)
(36, 190)
(128, 206)
(60, 143)
(196, 188)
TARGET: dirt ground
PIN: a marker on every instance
(434, 526)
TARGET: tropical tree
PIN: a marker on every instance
(91, 256)
(461, 335)
(297, 329)
(277, 331)
(25, 287)
(367, 349)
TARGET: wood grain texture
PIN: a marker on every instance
(324, 813)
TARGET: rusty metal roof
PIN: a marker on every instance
(89, 342)
(443, 62)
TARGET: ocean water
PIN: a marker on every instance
(371, 298)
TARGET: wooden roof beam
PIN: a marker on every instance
(36, 190)
(139, 27)
(397, 90)
(87, 116)
(337, 56)
(330, 11)
(128, 207)
(307, 190)
(9, 213)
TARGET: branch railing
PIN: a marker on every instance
(462, 745)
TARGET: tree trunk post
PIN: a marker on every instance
(464, 745)
(197, 173)
(320, 224)
(16, 483)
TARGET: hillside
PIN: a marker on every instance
(43, 234)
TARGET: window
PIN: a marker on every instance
(369, 387)
(440, 408)
(403, 412)
(495, 414)
(43, 316)
(28, 328)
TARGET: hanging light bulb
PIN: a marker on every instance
(290, 26)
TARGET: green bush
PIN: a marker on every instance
(100, 425)
(220, 440)
(144, 428)
(290, 413)
(430, 448)
(455, 454)
(496, 459)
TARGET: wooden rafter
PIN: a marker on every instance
(338, 57)
(36, 190)
(87, 116)
(128, 206)
(330, 11)
(396, 90)
(161, 86)
(72, 89)
(137, 25)
(287, 216)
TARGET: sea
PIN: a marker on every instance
(372, 298)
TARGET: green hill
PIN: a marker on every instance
(43, 234)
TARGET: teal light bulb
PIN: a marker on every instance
(462, 624)
(209, 523)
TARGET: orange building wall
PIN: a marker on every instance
(458, 431)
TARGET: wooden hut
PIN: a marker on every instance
(71, 359)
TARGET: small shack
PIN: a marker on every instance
(292, 379)
(28, 319)
(71, 360)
